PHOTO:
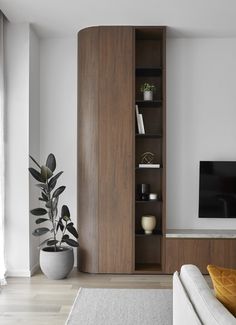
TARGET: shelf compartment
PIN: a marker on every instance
(145, 168)
(148, 72)
(147, 267)
(147, 103)
(148, 201)
(155, 233)
(149, 135)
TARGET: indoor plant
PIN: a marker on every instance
(56, 259)
(147, 90)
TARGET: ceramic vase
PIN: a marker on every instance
(148, 95)
(148, 224)
(56, 265)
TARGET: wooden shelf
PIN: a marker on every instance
(149, 135)
(148, 72)
(150, 168)
(148, 201)
(154, 234)
(147, 103)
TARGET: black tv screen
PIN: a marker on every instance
(217, 189)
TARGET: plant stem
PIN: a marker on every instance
(63, 233)
(52, 214)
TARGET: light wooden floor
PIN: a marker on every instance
(39, 301)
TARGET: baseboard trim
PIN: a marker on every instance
(22, 273)
(18, 273)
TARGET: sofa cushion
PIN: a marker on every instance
(224, 282)
(209, 309)
(183, 311)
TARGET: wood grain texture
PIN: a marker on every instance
(201, 252)
(116, 192)
(88, 77)
(39, 301)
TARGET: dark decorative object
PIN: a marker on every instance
(147, 158)
(143, 191)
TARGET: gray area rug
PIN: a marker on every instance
(122, 307)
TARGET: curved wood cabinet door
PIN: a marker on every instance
(106, 145)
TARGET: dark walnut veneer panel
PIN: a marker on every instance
(88, 149)
(201, 252)
(116, 134)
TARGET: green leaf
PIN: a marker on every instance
(58, 191)
(36, 175)
(65, 237)
(40, 231)
(46, 172)
(60, 225)
(40, 220)
(51, 162)
(65, 212)
(53, 181)
(52, 242)
(35, 161)
(44, 196)
(72, 230)
(71, 242)
(39, 212)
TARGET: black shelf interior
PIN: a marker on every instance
(148, 201)
(154, 233)
(148, 72)
(149, 168)
(148, 135)
(149, 103)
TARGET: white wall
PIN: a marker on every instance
(58, 112)
(17, 148)
(201, 117)
(201, 114)
(34, 139)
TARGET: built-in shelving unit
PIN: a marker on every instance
(113, 62)
(150, 67)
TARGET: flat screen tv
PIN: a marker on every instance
(217, 189)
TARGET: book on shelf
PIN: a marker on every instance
(140, 123)
(149, 165)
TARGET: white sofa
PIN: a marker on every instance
(194, 302)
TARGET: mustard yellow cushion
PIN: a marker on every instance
(224, 282)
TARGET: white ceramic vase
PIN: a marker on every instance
(148, 224)
(148, 95)
(56, 265)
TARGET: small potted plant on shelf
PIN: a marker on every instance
(56, 258)
(147, 90)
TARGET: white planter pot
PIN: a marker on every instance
(148, 224)
(56, 265)
(148, 95)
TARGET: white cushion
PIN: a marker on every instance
(183, 311)
(209, 309)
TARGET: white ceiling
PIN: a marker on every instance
(187, 18)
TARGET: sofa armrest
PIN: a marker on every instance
(183, 311)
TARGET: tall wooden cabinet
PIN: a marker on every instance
(112, 62)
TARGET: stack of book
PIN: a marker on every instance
(149, 166)
(140, 123)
